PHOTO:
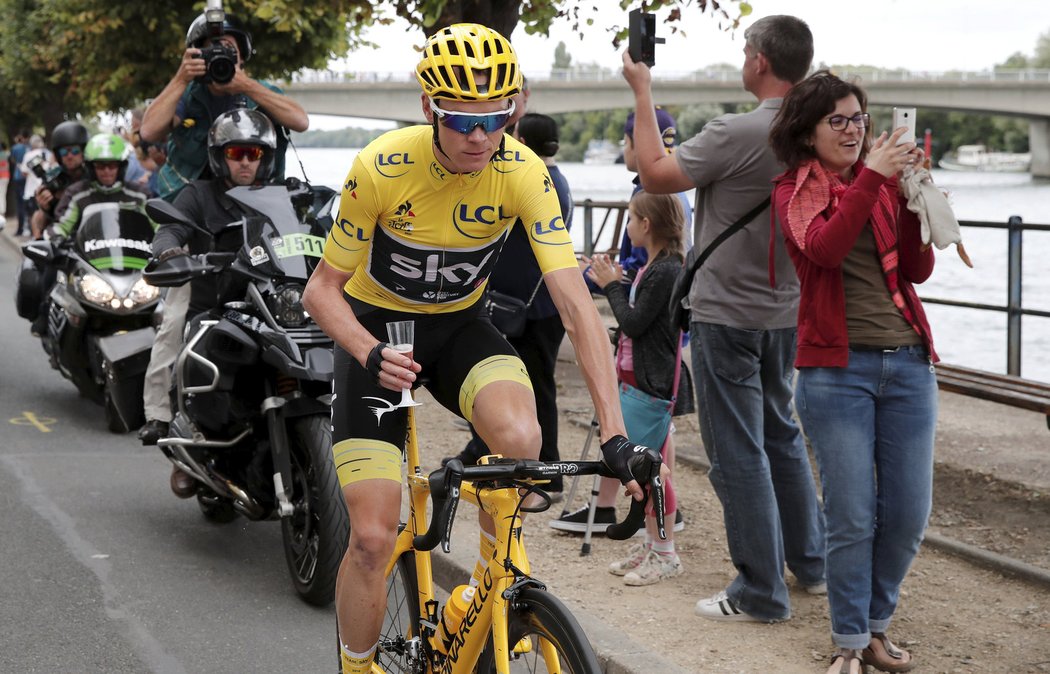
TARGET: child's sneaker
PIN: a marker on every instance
(635, 556)
(654, 568)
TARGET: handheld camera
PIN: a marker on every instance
(220, 60)
(54, 180)
(641, 37)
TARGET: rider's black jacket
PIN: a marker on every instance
(205, 203)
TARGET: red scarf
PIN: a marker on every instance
(818, 190)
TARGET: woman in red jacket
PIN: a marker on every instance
(866, 392)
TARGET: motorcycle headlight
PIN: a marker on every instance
(94, 289)
(287, 306)
(143, 293)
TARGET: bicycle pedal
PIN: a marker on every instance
(522, 647)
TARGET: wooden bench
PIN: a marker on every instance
(1001, 388)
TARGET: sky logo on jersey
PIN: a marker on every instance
(478, 222)
(553, 233)
(394, 164)
(351, 187)
(507, 161)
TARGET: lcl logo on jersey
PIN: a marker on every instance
(466, 218)
(437, 171)
(552, 233)
(352, 232)
(507, 161)
(351, 186)
(394, 164)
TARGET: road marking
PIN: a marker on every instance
(30, 419)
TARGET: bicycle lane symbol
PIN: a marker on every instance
(30, 419)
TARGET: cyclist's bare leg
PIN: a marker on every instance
(504, 415)
(374, 507)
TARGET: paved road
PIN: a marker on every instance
(102, 569)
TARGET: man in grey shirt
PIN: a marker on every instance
(743, 329)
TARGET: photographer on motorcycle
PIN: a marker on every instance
(105, 157)
(68, 141)
(195, 97)
(241, 148)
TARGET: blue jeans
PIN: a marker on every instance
(871, 425)
(759, 466)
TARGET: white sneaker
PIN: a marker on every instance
(635, 556)
(654, 568)
(721, 607)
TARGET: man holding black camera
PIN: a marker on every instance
(209, 82)
(68, 141)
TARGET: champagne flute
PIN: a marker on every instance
(402, 339)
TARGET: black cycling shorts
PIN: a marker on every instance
(459, 353)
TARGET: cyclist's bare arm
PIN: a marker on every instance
(593, 351)
(323, 299)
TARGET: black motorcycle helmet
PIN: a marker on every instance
(242, 127)
(198, 33)
(69, 133)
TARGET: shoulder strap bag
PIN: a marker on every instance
(679, 302)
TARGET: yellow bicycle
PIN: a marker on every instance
(512, 624)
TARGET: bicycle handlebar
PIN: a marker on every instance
(445, 488)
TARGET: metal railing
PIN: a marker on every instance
(615, 215)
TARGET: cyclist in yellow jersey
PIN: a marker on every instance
(423, 215)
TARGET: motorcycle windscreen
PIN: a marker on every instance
(114, 238)
(276, 242)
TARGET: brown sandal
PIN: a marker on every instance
(847, 661)
(884, 656)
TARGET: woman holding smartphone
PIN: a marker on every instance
(866, 392)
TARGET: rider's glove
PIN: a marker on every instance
(171, 252)
(617, 451)
(375, 359)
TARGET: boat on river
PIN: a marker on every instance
(978, 158)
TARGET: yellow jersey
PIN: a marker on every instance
(418, 238)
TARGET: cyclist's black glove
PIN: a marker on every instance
(617, 451)
(374, 362)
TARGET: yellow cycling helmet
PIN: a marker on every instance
(453, 55)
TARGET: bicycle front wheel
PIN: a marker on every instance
(399, 645)
(551, 630)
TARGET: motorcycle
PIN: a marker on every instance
(252, 382)
(101, 312)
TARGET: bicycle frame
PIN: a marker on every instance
(489, 609)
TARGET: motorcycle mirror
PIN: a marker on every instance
(39, 251)
(164, 213)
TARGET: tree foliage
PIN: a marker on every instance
(69, 57)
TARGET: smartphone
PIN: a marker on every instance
(904, 117)
(641, 37)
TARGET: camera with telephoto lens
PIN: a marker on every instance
(220, 60)
(54, 180)
(641, 37)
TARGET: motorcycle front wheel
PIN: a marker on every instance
(315, 535)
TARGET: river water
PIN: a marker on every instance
(969, 337)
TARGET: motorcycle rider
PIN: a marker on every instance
(187, 107)
(105, 157)
(241, 149)
(68, 141)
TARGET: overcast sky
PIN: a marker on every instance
(930, 35)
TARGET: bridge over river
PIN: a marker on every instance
(395, 95)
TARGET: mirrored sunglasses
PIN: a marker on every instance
(465, 123)
(63, 151)
(241, 152)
